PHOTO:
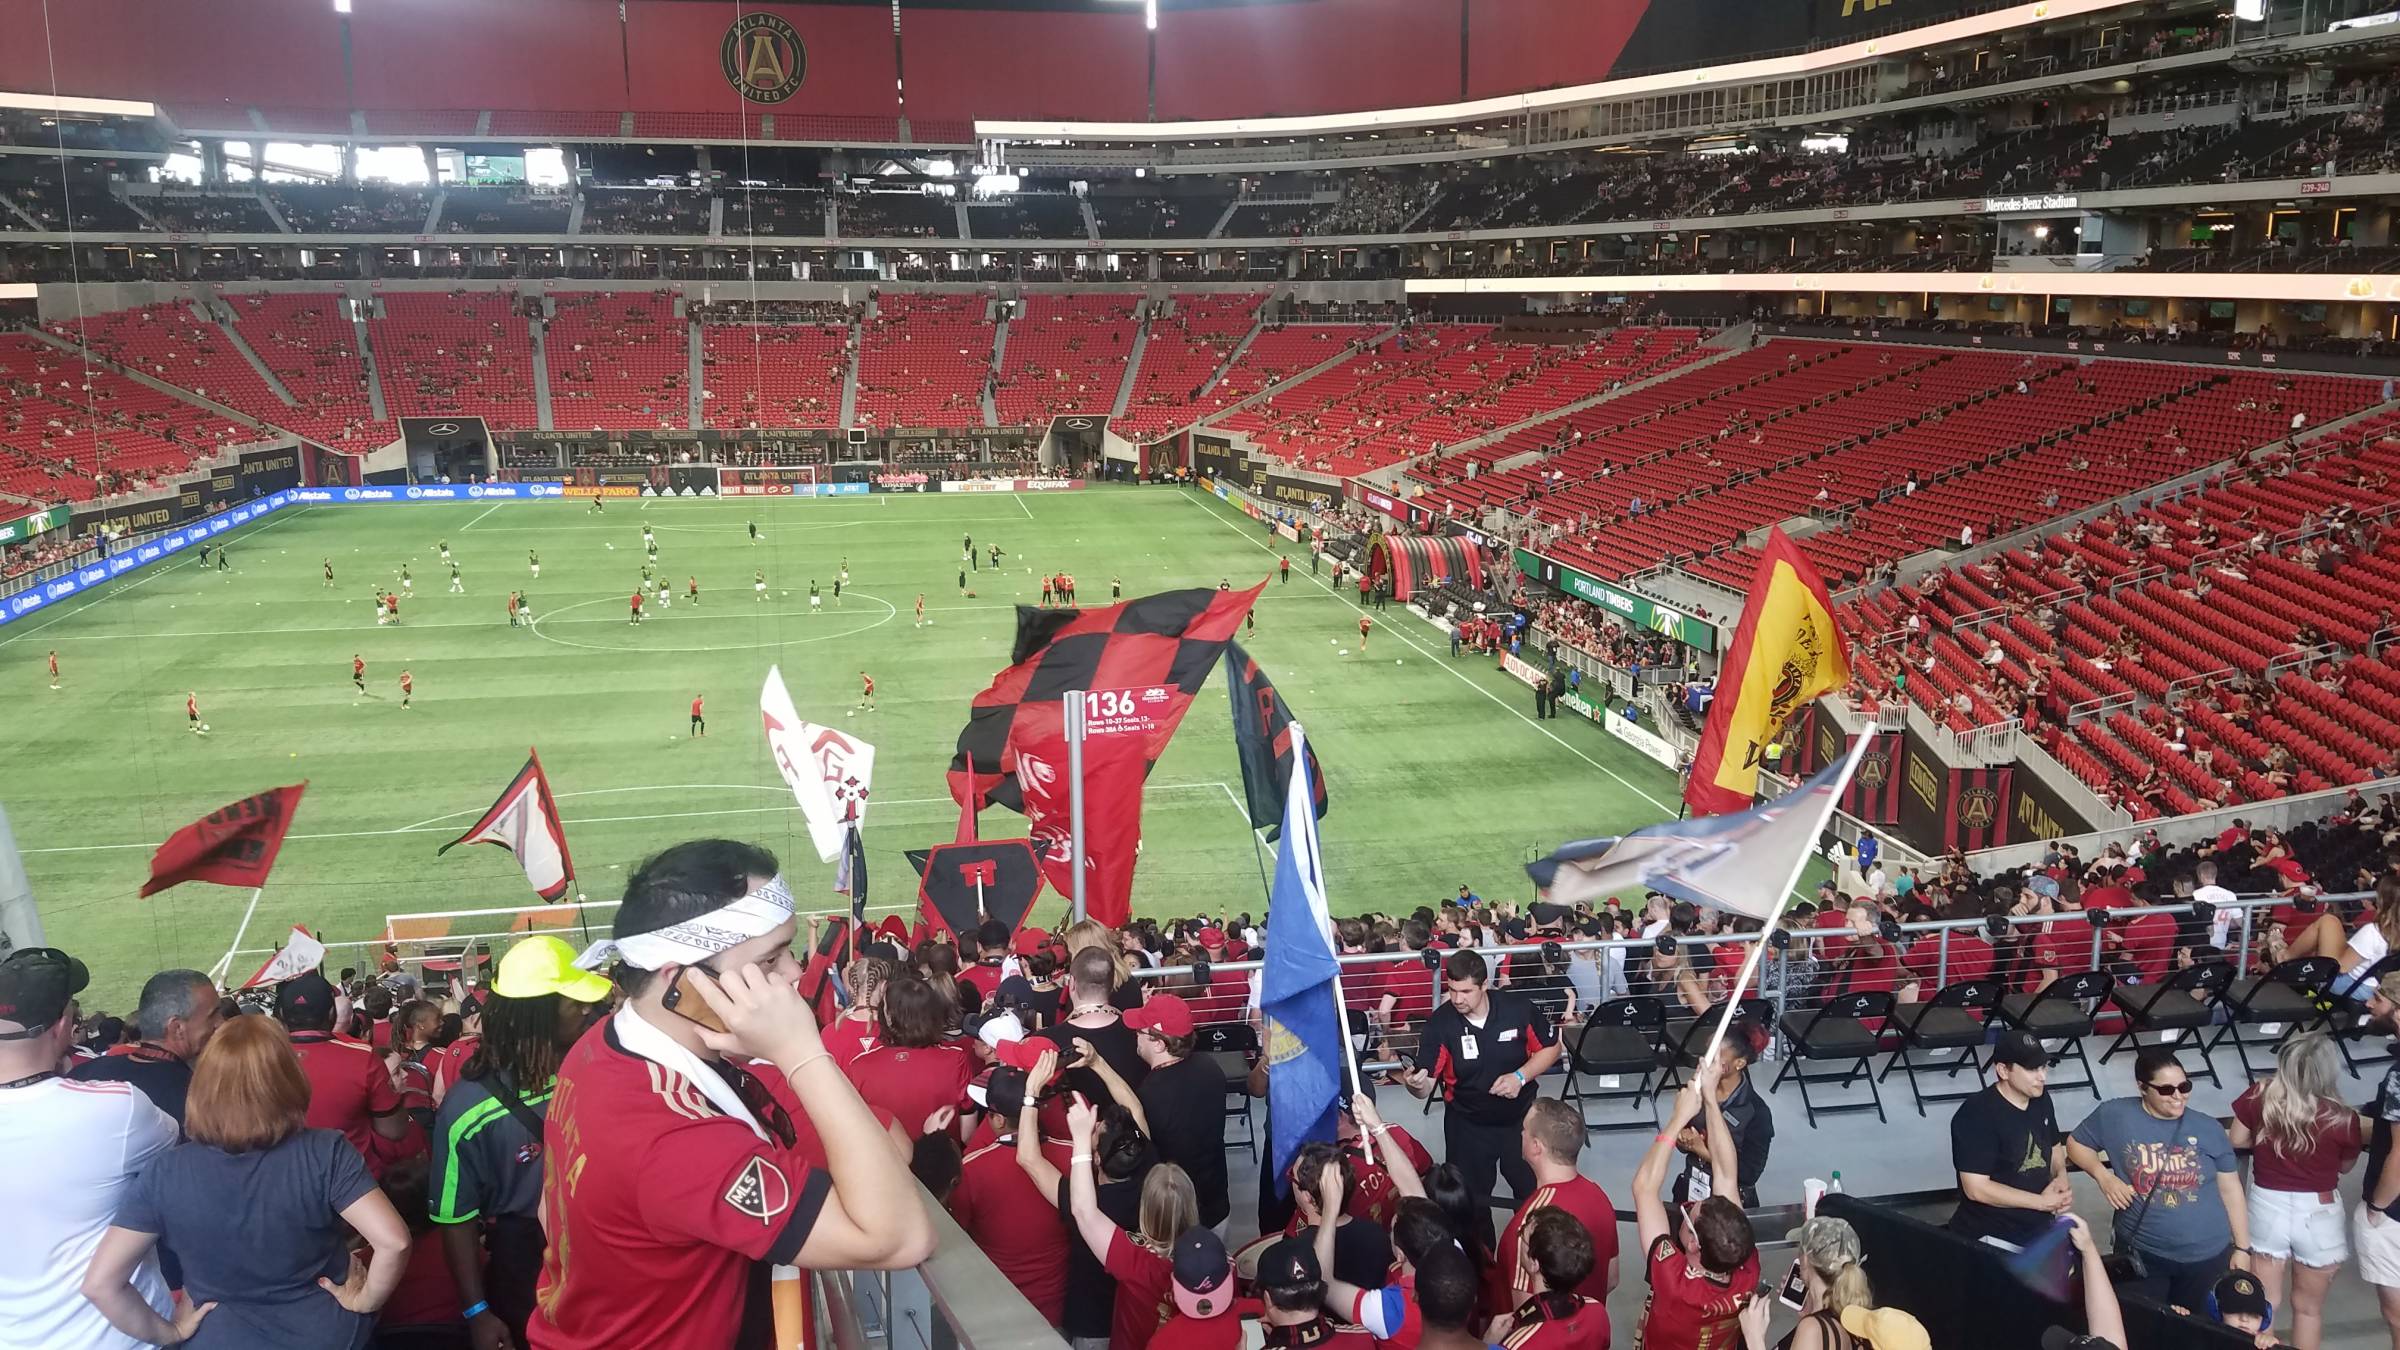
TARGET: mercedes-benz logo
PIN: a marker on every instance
(443, 429)
(1079, 424)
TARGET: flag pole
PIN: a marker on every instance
(225, 964)
(1783, 898)
(1073, 700)
(1300, 782)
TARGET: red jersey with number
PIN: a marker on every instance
(348, 1087)
(663, 1212)
(1688, 1311)
(1577, 1195)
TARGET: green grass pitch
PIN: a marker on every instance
(1438, 774)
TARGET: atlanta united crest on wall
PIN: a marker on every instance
(763, 58)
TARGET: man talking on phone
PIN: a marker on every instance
(702, 1134)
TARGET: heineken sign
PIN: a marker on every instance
(25, 527)
(1640, 611)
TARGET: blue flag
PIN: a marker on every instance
(1297, 994)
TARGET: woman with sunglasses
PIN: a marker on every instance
(2171, 1176)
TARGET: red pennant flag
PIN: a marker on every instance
(233, 846)
(525, 822)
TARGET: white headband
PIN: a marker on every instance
(696, 939)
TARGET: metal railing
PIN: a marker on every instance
(1222, 995)
(956, 1300)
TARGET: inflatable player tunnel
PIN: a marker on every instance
(1422, 560)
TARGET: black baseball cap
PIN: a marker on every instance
(36, 985)
(2240, 1292)
(2020, 1049)
(1203, 1274)
(1288, 1265)
(305, 992)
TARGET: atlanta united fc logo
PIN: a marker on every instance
(763, 58)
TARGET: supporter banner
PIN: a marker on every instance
(26, 527)
(1925, 795)
(1977, 817)
(263, 471)
(332, 467)
(2036, 812)
(442, 492)
(1215, 457)
(1874, 794)
(1640, 611)
(139, 555)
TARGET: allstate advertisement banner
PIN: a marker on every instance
(427, 492)
(140, 555)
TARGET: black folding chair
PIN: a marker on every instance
(1836, 1032)
(2183, 1004)
(2349, 1022)
(2062, 1012)
(1953, 1019)
(1621, 1039)
(1234, 1048)
(1684, 1042)
(2290, 998)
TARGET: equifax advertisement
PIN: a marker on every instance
(148, 551)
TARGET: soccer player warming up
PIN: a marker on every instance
(329, 572)
(408, 688)
(866, 691)
(54, 653)
(692, 589)
(1364, 623)
(191, 713)
(920, 624)
(635, 616)
(534, 560)
(816, 603)
(758, 585)
(699, 723)
(358, 671)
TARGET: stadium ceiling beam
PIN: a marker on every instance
(2276, 286)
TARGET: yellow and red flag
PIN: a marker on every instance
(1786, 652)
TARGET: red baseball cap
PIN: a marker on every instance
(1029, 941)
(1212, 937)
(1022, 1054)
(1166, 1014)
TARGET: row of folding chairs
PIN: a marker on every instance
(1832, 1047)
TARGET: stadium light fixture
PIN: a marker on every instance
(341, 6)
(1150, 14)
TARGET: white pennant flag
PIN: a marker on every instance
(827, 771)
(301, 954)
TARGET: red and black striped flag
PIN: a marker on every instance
(232, 846)
(1262, 737)
(1156, 651)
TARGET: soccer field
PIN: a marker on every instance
(1437, 772)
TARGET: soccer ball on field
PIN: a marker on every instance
(204, 726)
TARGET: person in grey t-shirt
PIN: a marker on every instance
(2172, 1178)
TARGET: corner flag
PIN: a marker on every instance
(1298, 993)
(1786, 651)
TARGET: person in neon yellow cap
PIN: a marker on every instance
(485, 1191)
